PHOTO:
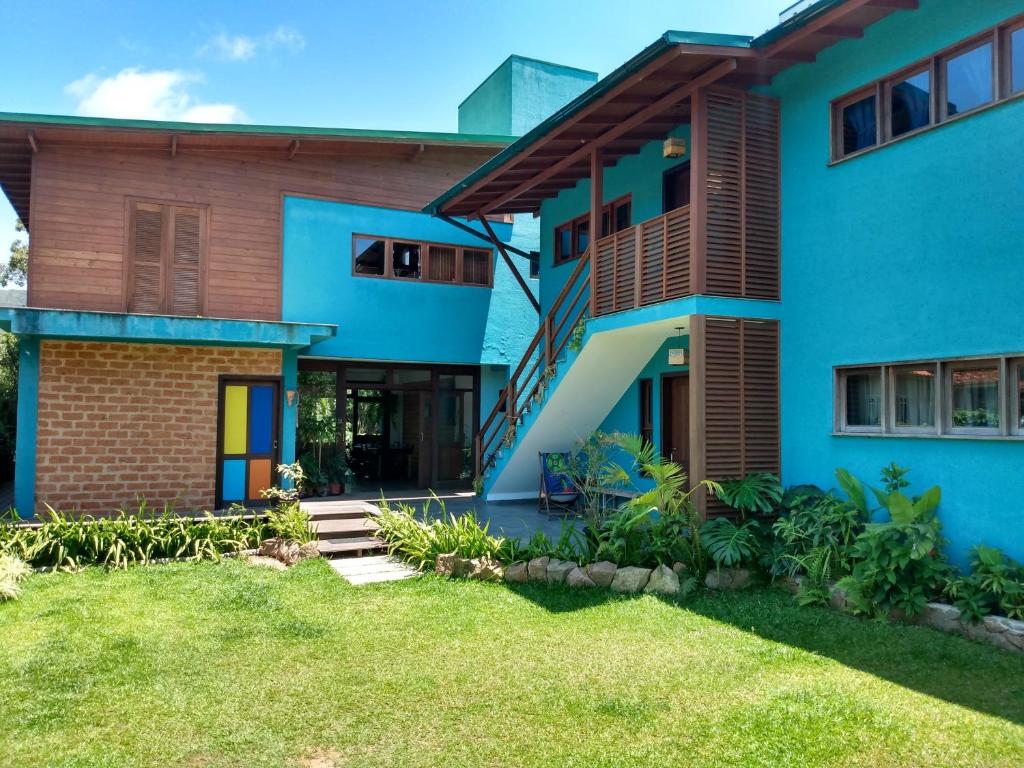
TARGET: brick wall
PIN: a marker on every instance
(122, 421)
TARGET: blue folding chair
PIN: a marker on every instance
(558, 495)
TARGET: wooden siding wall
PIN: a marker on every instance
(739, 183)
(734, 399)
(79, 208)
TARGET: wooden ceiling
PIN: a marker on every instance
(658, 90)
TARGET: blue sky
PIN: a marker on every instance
(398, 64)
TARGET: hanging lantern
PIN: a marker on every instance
(674, 147)
(678, 355)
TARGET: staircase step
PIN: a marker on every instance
(343, 528)
(353, 545)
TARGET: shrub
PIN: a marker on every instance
(421, 541)
(757, 493)
(896, 564)
(12, 571)
(730, 544)
(63, 541)
(290, 522)
(994, 585)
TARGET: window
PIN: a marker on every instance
(573, 237)
(913, 398)
(974, 397)
(978, 397)
(374, 256)
(647, 410)
(675, 187)
(958, 80)
(910, 103)
(968, 78)
(862, 400)
(166, 259)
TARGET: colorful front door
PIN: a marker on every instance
(247, 440)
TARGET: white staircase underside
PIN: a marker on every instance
(582, 397)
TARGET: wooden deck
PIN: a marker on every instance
(344, 527)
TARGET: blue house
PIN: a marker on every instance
(787, 253)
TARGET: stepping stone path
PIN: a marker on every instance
(371, 570)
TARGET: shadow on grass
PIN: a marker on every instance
(946, 667)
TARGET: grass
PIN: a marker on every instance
(224, 664)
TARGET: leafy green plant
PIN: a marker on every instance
(296, 482)
(822, 528)
(420, 541)
(894, 477)
(757, 493)
(290, 522)
(730, 544)
(12, 572)
(995, 584)
(898, 565)
(579, 331)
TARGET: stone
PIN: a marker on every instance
(279, 549)
(727, 578)
(309, 550)
(1016, 639)
(516, 573)
(996, 625)
(630, 579)
(445, 564)
(485, 569)
(537, 569)
(266, 562)
(602, 573)
(578, 579)
(837, 598)
(558, 570)
(663, 581)
(941, 616)
(462, 567)
(678, 568)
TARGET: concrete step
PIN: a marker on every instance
(355, 545)
(343, 528)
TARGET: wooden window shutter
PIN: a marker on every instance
(441, 263)
(165, 259)
(186, 262)
(146, 288)
(476, 266)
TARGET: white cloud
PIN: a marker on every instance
(148, 95)
(242, 47)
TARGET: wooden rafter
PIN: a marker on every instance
(511, 264)
(32, 141)
(174, 146)
(293, 148)
(673, 97)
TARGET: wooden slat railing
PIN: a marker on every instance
(532, 374)
(645, 264)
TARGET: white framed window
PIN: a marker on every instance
(914, 401)
(860, 393)
(972, 403)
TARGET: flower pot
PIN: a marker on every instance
(336, 489)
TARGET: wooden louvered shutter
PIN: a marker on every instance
(476, 266)
(186, 262)
(147, 264)
(735, 394)
(724, 188)
(761, 197)
(441, 263)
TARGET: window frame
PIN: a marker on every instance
(1002, 89)
(947, 400)
(645, 417)
(892, 370)
(573, 225)
(1015, 370)
(424, 246)
(841, 414)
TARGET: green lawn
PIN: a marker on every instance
(229, 665)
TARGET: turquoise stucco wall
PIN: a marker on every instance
(909, 251)
(519, 94)
(395, 320)
(625, 415)
(639, 175)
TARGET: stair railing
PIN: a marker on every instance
(532, 375)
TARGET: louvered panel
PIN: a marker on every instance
(604, 263)
(652, 234)
(761, 396)
(722, 418)
(761, 191)
(147, 267)
(625, 268)
(441, 263)
(186, 260)
(723, 187)
(677, 250)
(476, 266)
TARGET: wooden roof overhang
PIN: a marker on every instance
(23, 135)
(644, 99)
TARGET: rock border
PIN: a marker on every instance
(1004, 633)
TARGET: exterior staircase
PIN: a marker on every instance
(344, 528)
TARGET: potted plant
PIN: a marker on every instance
(338, 473)
(316, 479)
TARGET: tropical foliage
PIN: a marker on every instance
(995, 584)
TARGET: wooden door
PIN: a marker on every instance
(246, 440)
(675, 419)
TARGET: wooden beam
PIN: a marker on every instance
(32, 141)
(596, 207)
(293, 148)
(477, 233)
(618, 90)
(174, 146)
(673, 97)
(511, 264)
(839, 30)
(836, 16)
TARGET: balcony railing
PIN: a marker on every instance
(645, 264)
